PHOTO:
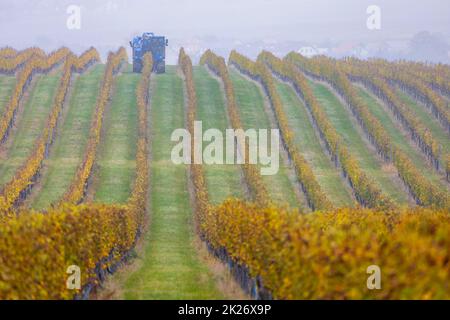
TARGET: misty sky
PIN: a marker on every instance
(43, 22)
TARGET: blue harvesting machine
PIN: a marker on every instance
(148, 42)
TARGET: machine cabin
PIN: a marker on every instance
(148, 42)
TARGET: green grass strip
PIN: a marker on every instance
(170, 268)
(250, 103)
(7, 84)
(428, 120)
(223, 181)
(117, 154)
(340, 117)
(400, 140)
(70, 142)
(327, 175)
(30, 124)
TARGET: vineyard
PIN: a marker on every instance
(87, 180)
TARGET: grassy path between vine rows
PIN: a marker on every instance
(428, 120)
(7, 84)
(70, 142)
(169, 267)
(116, 165)
(30, 124)
(326, 173)
(398, 138)
(250, 102)
(223, 181)
(341, 119)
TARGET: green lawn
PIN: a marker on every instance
(428, 120)
(117, 154)
(250, 101)
(30, 124)
(398, 138)
(326, 173)
(68, 149)
(340, 118)
(7, 84)
(169, 267)
(223, 181)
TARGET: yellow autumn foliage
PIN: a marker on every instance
(366, 191)
(11, 60)
(77, 189)
(252, 176)
(325, 255)
(16, 189)
(424, 192)
(36, 248)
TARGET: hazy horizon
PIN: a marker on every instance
(113, 23)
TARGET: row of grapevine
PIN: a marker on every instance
(317, 199)
(325, 255)
(138, 199)
(438, 78)
(7, 52)
(383, 69)
(33, 66)
(366, 191)
(254, 181)
(290, 253)
(9, 64)
(435, 102)
(417, 88)
(419, 133)
(196, 170)
(17, 189)
(435, 76)
(42, 246)
(77, 190)
(424, 192)
(94, 237)
(328, 71)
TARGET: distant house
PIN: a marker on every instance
(312, 51)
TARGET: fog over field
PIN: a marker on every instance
(413, 30)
